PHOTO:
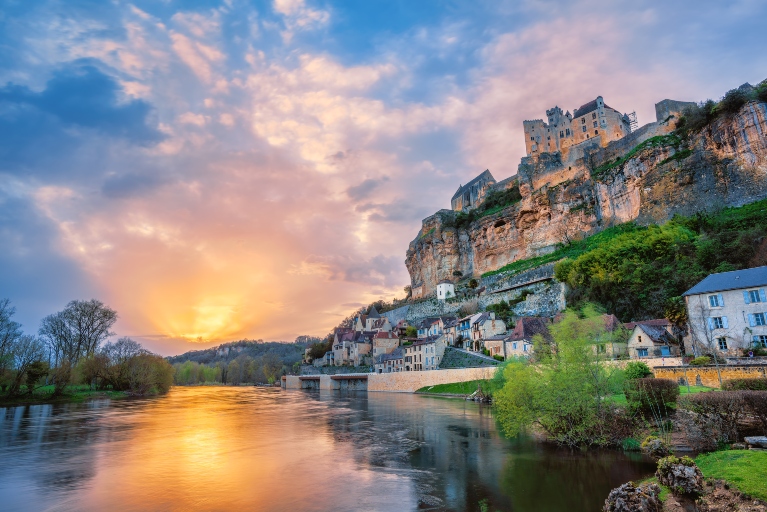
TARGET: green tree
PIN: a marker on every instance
(564, 392)
(411, 331)
(637, 370)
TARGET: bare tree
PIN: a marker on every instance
(27, 350)
(703, 339)
(74, 333)
(10, 331)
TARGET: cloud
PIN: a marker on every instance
(80, 95)
(298, 16)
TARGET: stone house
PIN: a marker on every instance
(450, 332)
(384, 343)
(342, 340)
(649, 340)
(360, 351)
(391, 362)
(728, 312)
(469, 196)
(519, 342)
(424, 354)
(485, 326)
(433, 326)
(463, 331)
(495, 345)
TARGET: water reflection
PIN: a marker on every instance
(266, 449)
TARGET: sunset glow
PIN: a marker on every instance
(256, 170)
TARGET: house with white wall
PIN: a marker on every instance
(728, 312)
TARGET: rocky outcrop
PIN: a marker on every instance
(682, 476)
(723, 165)
(630, 498)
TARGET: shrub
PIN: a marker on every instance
(650, 395)
(701, 361)
(711, 419)
(745, 384)
(655, 447)
(498, 357)
(756, 405)
(761, 91)
(637, 370)
(732, 101)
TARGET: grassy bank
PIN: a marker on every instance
(72, 394)
(460, 388)
(744, 469)
(620, 398)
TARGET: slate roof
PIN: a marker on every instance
(394, 355)
(734, 280)
(586, 108)
(656, 322)
(657, 334)
(373, 313)
(485, 175)
(529, 326)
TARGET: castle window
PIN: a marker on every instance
(584, 128)
(594, 115)
(532, 138)
(583, 120)
(567, 131)
(587, 135)
(595, 124)
(548, 138)
(561, 134)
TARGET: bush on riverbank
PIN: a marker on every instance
(564, 393)
(651, 396)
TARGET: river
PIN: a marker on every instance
(226, 448)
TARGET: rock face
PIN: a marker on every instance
(723, 165)
(628, 498)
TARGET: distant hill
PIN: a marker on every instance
(288, 352)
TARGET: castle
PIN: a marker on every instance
(595, 119)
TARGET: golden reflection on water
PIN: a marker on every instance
(225, 448)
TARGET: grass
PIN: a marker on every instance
(665, 492)
(572, 250)
(744, 469)
(653, 142)
(460, 388)
(79, 393)
(620, 398)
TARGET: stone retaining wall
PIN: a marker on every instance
(408, 382)
(707, 375)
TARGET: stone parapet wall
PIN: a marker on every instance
(548, 299)
(408, 382)
(708, 375)
(508, 280)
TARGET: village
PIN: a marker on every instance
(727, 315)
(460, 321)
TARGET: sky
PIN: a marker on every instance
(220, 170)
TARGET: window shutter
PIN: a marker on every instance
(751, 320)
(724, 322)
(710, 324)
(721, 300)
(746, 297)
(762, 295)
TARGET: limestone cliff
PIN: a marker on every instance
(647, 176)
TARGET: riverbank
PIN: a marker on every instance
(460, 389)
(72, 394)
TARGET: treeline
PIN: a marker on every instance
(243, 369)
(288, 353)
(643, 271)
(70, 349)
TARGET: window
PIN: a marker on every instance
(642, 352)
(639, 339)
(717, 322)
(760, 341)
(583, 120)
(584, 128)
(665, 351)
(595, 124)
(587, 135)
(514, 346)
(716, 301)
(754, 296)
(567, 131)
(601, 349)
(561, 134)
(756, 319)
(722, 342)
(596, 132)
(594, 115)
(532, 138)
(524, 348)
(548, 138)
